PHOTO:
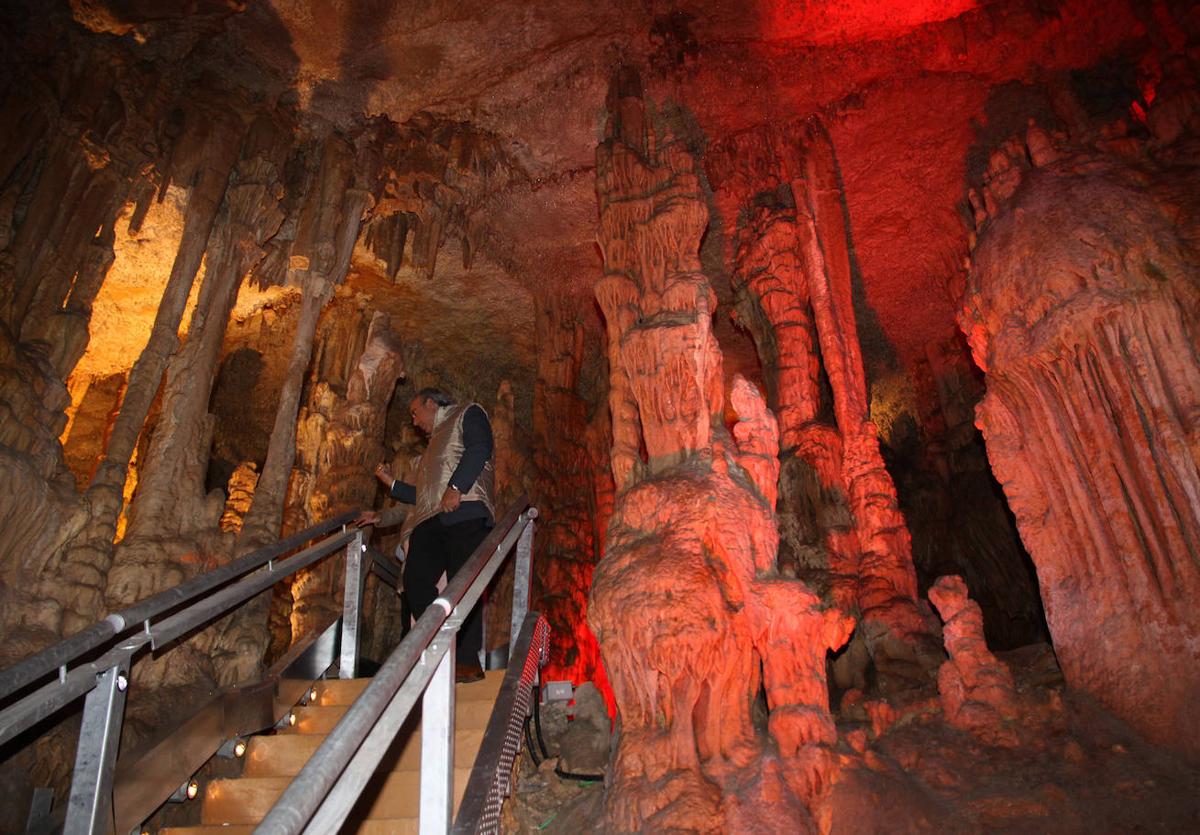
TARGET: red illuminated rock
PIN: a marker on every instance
(566, 464)
(686, 602)
(1082, 307)
(977, 690)
(793, 268)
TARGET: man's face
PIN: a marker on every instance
(423, 411)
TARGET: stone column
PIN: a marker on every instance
(682, 599)
(1081, 307)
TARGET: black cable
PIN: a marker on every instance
(537, 714)
(529, 744)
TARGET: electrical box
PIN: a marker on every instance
(557, 691)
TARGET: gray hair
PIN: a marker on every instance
(439, 397)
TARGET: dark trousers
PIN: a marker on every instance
(432, 549)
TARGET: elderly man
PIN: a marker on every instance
(453, 508)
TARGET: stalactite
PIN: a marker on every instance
(171, 496)
(211, 151)
(327, 227)
(1080, 308)
(683, 597)
(340, 439)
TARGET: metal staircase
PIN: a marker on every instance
(337, 755)
(390, 803)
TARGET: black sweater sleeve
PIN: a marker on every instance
(477, 449)
(402, 491)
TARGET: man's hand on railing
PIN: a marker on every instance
(367, 517)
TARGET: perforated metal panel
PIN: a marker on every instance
(489, 820)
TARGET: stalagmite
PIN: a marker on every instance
(977, 690)
(840, 517)
(681, 600)
(895, 629)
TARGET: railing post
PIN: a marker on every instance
(89, 807)
(522, 578)
(351, 607)
(437, 743)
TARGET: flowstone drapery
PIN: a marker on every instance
(686, 602)
(1082, 310)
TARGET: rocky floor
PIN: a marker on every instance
(1084, 771)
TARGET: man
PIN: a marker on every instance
(453, 508)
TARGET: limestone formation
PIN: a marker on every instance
(794, 271)
(978, 693)
(1084, 320)
(732, 343)
(339, 440)
(683, 598)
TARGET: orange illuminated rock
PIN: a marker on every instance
(1082, 306)
(977, 690)
(690, 612)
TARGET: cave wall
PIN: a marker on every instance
(817, 190)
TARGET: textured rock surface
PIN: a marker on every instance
(1085, 323)
(978, 693)
(686, 602)
(565, 459)
(794, 276)
(440, 162)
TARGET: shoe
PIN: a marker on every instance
(466, 673)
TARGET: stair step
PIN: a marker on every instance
(283, 755)
(468, 714)
(247, 800)
(334, 691)
(384, 826)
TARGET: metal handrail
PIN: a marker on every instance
(69, 650)
(321, 796)
(104, 680)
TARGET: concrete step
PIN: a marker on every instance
(390, 826)
(335, 691)
(283, 755)
(247, 800)
(315, 719)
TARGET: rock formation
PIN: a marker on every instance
(685, 599)
(563, 457)
(1081, 308)
(339, 440)
(978, 693)
(749, 424)
(793, 268)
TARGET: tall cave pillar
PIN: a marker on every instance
(839, 511)
(686, 602)
(1082, 308)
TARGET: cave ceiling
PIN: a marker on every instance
(914, 94)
